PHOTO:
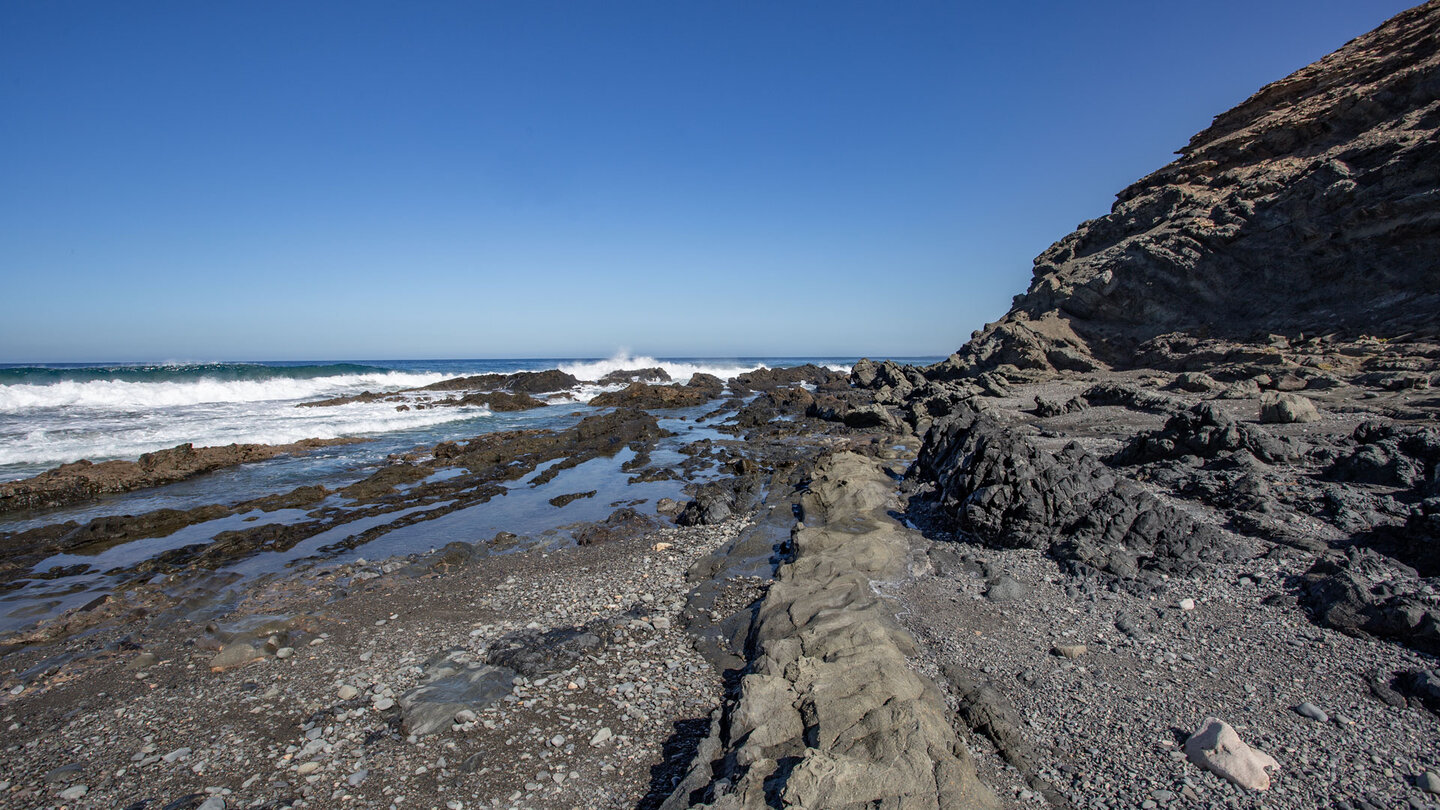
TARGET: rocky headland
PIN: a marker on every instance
(1163, 536)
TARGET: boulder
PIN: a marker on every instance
(1286, 408)
(1217, 748)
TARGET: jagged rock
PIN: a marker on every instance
(645, 375)
(539, 382)
(1196, 382)
(622, 524)
(1007, 491)
(1284, 409)
(765, 379)
(1207, 432)
(1128, 396)
(1217, 748)
(646, 396)
(1053, 407)
(1259, 225)
(1365, 592)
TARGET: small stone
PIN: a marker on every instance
(284, 652)
(307, 768)
(602, 736)
(348, 692)
(144, 660)
(356, 778)
(1310, 710)
(384, 704)
(465, 716)
(1069, 650)
(74, 792)
(212, 803)
(1429, 781)
(1187, 604)
(558, 740)
(234, 655)
(178, 753)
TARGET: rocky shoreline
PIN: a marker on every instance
(1156, 539)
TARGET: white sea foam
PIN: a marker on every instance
(680, 372)
(60, 440)
(119, 395)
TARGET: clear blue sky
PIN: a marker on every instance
(268, 180)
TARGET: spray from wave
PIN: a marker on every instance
(680, 371)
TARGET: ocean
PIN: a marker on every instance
(55, 414)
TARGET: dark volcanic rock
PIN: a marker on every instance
(1206, 432)
(1002, 487)
(539, 382)
(500, 401)
(643, 395)
(622, 524)
(1297, 211)
(647, 375)
(1366, 592)
(84, 480)
(764, 379)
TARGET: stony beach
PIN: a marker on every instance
(1166, 535)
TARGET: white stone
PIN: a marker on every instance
(1217, 748)
(1187, 604)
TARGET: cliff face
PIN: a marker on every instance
(1313, 207)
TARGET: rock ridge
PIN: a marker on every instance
(828, 712)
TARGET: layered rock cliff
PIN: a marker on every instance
(1313, 207)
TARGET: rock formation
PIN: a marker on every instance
(1310, 208)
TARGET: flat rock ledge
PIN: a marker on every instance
(828, 713)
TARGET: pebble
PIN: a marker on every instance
(1069, 650)
(602, 736)
(384, 704)
(284, 652)
(356, 778)
(348, 692)
(1429, 781)
(1187, 604)
(178, 753)
(1310, 710)
(212, 803)
(307, 768)
(74, 792)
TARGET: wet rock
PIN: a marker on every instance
(648, 397)
(622, 524)
(535, 654)
(644, 375)
(84, 480)
(432, 706)
(1217, 748)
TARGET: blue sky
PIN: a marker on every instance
(267, 180)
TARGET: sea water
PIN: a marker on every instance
(56, 414)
